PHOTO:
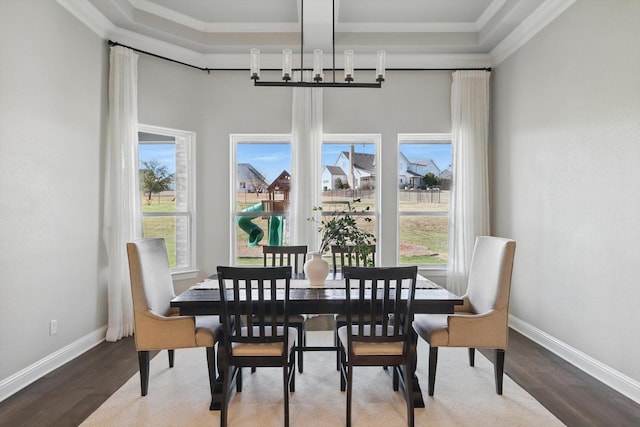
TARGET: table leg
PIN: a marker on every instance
(418, 401)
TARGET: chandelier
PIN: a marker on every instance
(318, 71)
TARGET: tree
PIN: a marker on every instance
(341, 185)
(430, 180)
(154, 178)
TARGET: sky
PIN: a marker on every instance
(165, 154)
(271, 159)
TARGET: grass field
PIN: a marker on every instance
(423, 239)
(163, 226)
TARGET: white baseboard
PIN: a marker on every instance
(614, 379)
(26, 376)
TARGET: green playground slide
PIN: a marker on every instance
(255, 232)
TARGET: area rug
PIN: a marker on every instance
(464, 395)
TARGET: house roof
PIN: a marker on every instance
(363, 161)
(335, 170)
(247, 172)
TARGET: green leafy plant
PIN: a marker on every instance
(340, 228)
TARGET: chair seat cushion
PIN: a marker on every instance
(433, 328)
(371, 348)
(263, 349)
(208, 329)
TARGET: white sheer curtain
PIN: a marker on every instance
(122, 219)
(306, 151)
(469, 210)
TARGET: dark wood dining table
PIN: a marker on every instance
(205, 300)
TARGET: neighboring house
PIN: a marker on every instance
(359, 174)
(330, 175)
(249, 179)
(445, 175)
(410, 173)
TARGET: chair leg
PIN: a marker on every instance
(396, 378)
(171, 357)
(433, 362)
(292, 373)
(226, 394)
(408, 386)
(343, 367)
(498, 369)
(301, 343)
(285, 374)
(349, 368)
(239, 380)
(143, 362)
(472, 356)
(336, 343)
(211, 365)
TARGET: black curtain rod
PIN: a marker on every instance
(208, 70)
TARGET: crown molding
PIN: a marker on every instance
(539, 19)
(88, 15)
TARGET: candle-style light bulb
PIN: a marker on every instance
(317, 66)
(286, 64)
(348, 65)
(255, 64)
(380, 66)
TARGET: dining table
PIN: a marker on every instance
(330, 298)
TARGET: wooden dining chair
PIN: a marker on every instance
(158, 326)
(378, 327)
(252, 336)
(348, 256)
(294, 256)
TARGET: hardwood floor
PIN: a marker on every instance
(68, 395)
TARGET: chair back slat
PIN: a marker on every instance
(250, 309)
(349, 257)
(381, 301)
(294, 256)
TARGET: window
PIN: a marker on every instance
(350, 171)
(261, 180)
(167, 191)
(424, 180)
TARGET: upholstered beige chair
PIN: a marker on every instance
(157, 325)
(481, 322)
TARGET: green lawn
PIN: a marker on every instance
(424, 239)
(161, 226)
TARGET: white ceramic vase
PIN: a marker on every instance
(316, 269)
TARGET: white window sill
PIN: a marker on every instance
(184, 274)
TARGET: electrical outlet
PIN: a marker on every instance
(53, 327)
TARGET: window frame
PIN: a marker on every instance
(366, 138)
(419, 138)
(191, 270)
(235, 139)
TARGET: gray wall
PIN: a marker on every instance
(565, 169)
(222, 103)
(53, 104)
